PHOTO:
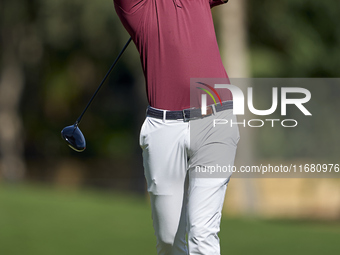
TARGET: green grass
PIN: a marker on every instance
(45, 221)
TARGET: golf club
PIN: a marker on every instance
(72, 134)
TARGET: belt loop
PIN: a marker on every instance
(214, 109)
(164, 115)
(184, 118)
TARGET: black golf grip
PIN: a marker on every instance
(104, 79)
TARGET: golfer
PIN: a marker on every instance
(176, 41)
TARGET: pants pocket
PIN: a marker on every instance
(142, 133)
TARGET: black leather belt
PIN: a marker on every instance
(188, 114)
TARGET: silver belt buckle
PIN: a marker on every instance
(188, 109)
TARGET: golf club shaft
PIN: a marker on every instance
(107, 74)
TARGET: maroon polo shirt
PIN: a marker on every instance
(176, 41)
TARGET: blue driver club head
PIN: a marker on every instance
(74, 138)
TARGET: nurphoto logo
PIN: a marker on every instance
(239, 104)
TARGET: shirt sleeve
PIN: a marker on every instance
(217, 2)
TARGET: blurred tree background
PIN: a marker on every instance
(60, 51)
(294, 38)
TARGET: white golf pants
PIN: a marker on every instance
(181, 202)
